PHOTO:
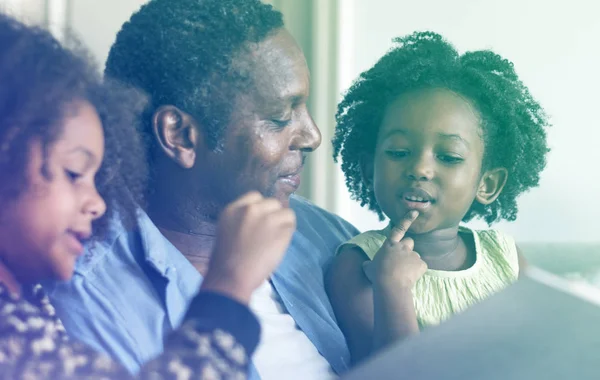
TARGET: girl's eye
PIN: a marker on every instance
(396, 153)
(73, 176)
(450, 159)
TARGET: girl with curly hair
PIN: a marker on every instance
(431, 138)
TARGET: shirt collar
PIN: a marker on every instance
(155, 246)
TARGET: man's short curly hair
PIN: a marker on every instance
(182, 53)
(41, 82)
(513, 123)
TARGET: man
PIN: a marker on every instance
(228, 89)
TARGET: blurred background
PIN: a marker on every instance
(554, 46)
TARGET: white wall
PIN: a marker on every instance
(555, 47)
(30, 11)
(97, 22)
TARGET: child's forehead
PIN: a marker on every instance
(81, 128)
(436, 111)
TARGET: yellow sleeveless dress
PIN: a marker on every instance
(440, 294)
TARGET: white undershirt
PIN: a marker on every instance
(284, 351)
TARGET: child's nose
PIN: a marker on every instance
(421, 168)
(95, 205)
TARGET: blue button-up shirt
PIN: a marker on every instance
(128, 292)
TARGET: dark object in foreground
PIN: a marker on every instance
(541, 327)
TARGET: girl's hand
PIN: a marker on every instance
(396, 265)
(252, 237)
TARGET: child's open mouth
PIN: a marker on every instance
(417, 199)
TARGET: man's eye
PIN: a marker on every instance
(281, 123)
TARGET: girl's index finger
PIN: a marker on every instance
(399, 230)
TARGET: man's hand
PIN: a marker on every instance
(252, 237)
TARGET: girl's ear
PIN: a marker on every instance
(491, 184)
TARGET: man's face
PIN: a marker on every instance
(270, 130)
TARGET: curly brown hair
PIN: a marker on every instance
(40, 81)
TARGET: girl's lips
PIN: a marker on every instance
(75, 243)
(416, 199)
(416, 192)
(77, 240)
(419, 206)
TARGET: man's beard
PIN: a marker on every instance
(228, 192)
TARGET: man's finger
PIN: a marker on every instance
(399, 230)
(284, 217)
(267, 205)
(248, 198)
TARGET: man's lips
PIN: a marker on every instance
(292, 180)
(292, 177)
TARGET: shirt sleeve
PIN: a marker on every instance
(215, 341)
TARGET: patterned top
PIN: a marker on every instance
(215, 342)
(439, 294)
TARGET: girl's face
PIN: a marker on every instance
(428, 158)
(43, 230)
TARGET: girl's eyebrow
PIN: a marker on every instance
(453, 136)
(448, 136)
(395, 131)
(90, 157)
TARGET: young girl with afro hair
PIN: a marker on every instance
(431, 138)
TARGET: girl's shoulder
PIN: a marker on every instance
(496, 249)
(369, 242)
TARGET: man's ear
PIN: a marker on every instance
(490, 186)
(177, 135)
(367, 169)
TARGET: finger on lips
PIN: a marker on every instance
(399, 230)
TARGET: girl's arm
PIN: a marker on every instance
(395, 315)
(351, 296)
(216, 340)
(369, 319)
